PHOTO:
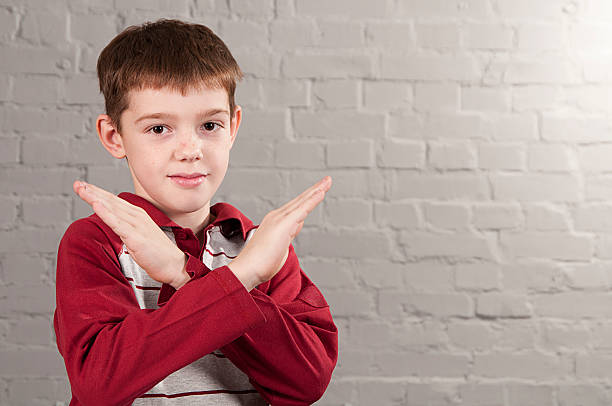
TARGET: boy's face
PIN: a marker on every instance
(165, 134)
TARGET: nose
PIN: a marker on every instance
(189, 147)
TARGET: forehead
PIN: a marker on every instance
(149, 100)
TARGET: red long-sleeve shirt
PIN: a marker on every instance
(122, 348)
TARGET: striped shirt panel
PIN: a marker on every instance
(212, 379)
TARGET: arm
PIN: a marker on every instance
(113, 350)
(290, 357)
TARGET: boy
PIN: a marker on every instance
(161, 298)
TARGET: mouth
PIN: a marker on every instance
(188, 180)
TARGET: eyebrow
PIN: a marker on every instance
(205, 113)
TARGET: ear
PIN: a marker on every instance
(235, 123)
(109, 137)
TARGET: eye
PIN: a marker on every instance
(157, 129)
(211, 126)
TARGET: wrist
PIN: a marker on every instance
(248, 278)
(183, 277)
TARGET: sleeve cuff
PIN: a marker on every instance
(246, 305)
(194, 267)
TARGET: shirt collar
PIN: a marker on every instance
(227, 217)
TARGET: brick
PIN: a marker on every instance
(396, 36)
(406, 126)
(482, 394)
(336, 244)
(443, 186)
(47, 211)
(526, 365)
(540, 36)
(175, 6)
(381, 392)
(43, 181)
(598, 187)
(36, 60)
(429, 364)
(380, 274)
(447, 215)
(387, 96)
(249, 94)
(8, 25)
(574, 394)
(477, 9)
(39, 151)
(249, 182)
(246, 8)
(436, 304)
(477, 277)
(498, 156)
(563, 336)
(89, 151)
(48, 122)
(513, 127)
(277, 93)
(45, 27)
(268, 125)
(593, 366)
(336, 93)
(251, 153)
(326, 274)
(471, 335)
(82, 90)
(344, 8)
(330, 124)
(8, 212)
(551, 158)
(452, 156)
(351, 183)
(345, 212)
(495, 216)
(299, 154)
(535, 97)
(574, 305)
(594, 217)
(485, 99)
(590, 37)
(397, 215)
(536, 276)
(502, 305)
(35, 392)
(489, 36)
(30, 332)
(428, 277)
(351, 154)
(460, 67)
(436, 97)
(31, 362)
(595, 158)
(517, 335)
(437, 36)
(340, 34)
(331, 66)
(534, 187)
(6, 87)
(454, 126)
(369, 333)
(555, 245)
(572, 129)
(24, 269)
(349, 303)
(92, 29)
(530, 394)
(590, 98)
(545, 70)
(546, 218)
(456, 245)
(400, 154)
(258, 63)
(433, 393)
(527, 10)
(244, 34)
(10, 150)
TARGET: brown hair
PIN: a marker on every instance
(165, 53)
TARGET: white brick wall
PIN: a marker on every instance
(465, 246)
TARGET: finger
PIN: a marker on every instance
(110, 219)
(323, 184)
(90, 193)
(298, 229)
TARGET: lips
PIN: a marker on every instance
(188, 175)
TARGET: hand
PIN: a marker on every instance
(145, 241)
(266, 252)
